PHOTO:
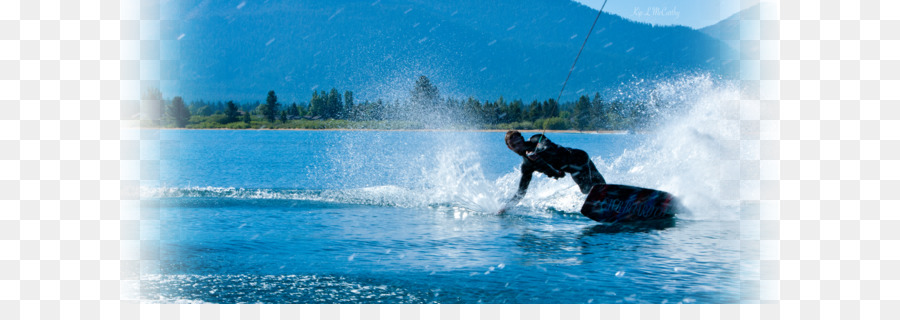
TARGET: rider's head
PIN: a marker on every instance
(538, 138)
(515, 142)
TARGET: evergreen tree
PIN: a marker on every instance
(515, 111)
(534, 111)
(472, 109)
(614, 116)
(488, 111)
(335, 106)
(247, 117)
(270, 109)
(204, 111)
(231, 112)
(178, 112)
(323, 98)
(598, 113)
(192, 109)
(283, 116)
(261, 109)
(552, 109)
(316, 105)
(378, 110)
(424, 93)
(152, 106)
(502, 112)
(581, 114)
(348, 104)
(545, 110)
(302, 110)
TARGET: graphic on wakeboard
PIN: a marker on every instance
(621, 203)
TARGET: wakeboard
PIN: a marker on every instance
(621, 203)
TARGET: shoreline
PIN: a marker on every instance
(416, 130)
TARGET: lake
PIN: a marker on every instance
(257, 216)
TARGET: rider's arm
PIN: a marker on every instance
(541, 145)
(545, 167)
(527, 172)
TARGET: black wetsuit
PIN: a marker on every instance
(549, 158)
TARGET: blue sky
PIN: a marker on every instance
(691, 13)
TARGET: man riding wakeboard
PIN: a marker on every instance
(541, 155)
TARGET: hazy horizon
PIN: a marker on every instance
(693, 14)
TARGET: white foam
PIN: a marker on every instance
(692, 151)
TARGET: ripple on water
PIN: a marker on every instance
(243, 288)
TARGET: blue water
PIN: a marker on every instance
(409, 217)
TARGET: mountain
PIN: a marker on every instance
(484, 49)
(729, 31)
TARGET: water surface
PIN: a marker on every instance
(410, 217)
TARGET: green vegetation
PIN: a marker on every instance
(424, 109)
(270, 109)
(177, 113)
(200, 122)
(231, 113)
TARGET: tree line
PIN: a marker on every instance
(423, 109)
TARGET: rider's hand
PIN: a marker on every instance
(556, 175)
